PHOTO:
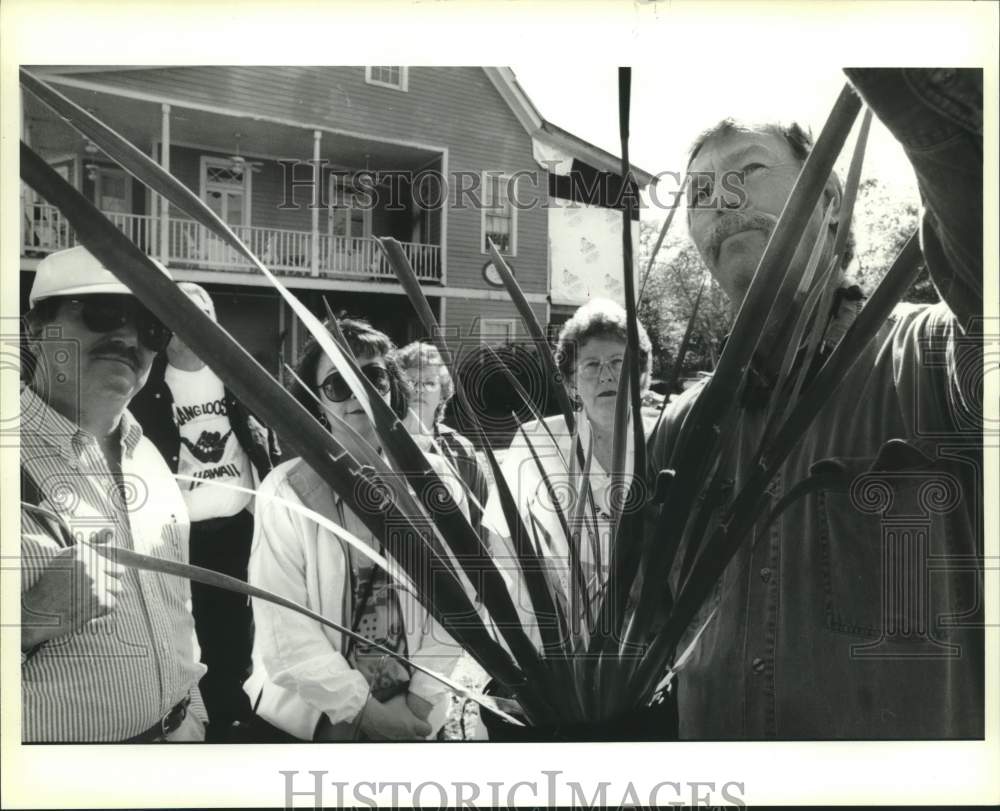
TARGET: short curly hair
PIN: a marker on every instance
(421, 355)
(363, 338)
(599, 318)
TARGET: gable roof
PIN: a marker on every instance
(552, 138)
(551, 135)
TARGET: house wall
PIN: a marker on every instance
(586, 251)
(466, 316)
(454, 108)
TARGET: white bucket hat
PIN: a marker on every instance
(76, 272)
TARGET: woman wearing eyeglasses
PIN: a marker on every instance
(432, 388)
(590, 356)
(309, 682)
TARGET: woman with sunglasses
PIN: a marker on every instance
(310, 682)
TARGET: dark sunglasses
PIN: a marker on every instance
(336, 390)
(108, 312)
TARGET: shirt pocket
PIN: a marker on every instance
(851, 561)
(879, 536)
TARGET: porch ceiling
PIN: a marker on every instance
(140, 122)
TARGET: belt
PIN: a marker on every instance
(167, 724)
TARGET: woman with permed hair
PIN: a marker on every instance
(310, 682)
(431, 389)
(590, 357)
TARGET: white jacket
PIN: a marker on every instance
(299, 672)
(535, 506)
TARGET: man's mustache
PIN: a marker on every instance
(116, 348)
(734, 222)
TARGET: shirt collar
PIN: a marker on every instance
(131, 433)
(368, 472)
(584, 429)
(43, 425)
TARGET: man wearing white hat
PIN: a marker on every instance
(205, 433)
(107, 653)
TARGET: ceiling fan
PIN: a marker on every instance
(91, 150)
(238, 163)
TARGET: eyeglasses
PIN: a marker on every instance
(108, 312)
(428, 385)
(336, 390)
(591, 369)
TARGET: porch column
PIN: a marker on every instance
(317, 197)
(152, 226)
(165, 163)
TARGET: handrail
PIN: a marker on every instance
(283, 250)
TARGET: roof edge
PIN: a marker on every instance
(505, 82)
(537, 126)
(594, 155)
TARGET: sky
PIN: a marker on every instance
(670, 107)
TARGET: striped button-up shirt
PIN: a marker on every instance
(120, 673)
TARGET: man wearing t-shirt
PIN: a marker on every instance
(205, 434)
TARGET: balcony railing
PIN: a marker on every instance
(191, 245)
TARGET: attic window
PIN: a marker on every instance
(393, 76)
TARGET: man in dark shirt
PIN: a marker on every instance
(859, 613)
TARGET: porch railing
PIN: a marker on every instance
(191, 245)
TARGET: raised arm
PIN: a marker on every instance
(936, 114)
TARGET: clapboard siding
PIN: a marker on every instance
(457, 109)
(463, 317)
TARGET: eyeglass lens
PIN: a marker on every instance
(106, 313)
(336, 389)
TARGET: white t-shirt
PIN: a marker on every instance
(209, 449)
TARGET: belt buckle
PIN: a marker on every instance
(179, 711)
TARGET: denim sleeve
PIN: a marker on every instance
(937, 116)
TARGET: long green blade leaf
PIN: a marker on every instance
(209, 577)
(531, 567)
(177, 194)
(675, 369)
(360, 546)
(241, 373)
(575, 565)
(453, 527)
(535, 331)
(699, 439)
(660, 237)
(749, 504)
